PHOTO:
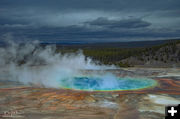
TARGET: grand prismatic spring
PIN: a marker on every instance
(102, 84)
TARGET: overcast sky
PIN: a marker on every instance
(90, 20)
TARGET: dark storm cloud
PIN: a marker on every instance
(84, 34)
(93, 4)
(126, 23)
(90, 19)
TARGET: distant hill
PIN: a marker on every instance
(166, 55)
(163, 55)
(132, 44)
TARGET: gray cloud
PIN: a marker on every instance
(77, 33)
(125, 23)
(90, 19)
(93, 4)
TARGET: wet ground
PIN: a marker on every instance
(27, 102)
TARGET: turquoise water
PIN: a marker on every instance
(101, 84)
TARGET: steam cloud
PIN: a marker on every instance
(31, 63)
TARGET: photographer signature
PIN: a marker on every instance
(11, 113)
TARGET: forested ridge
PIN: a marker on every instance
(165, 53)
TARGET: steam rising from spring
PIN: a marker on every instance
(37, 65)
(32, 64)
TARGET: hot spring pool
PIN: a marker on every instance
(101, 84)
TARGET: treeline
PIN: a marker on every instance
(112, 55)
(115, 55)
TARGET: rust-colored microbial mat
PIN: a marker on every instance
(42, 103)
